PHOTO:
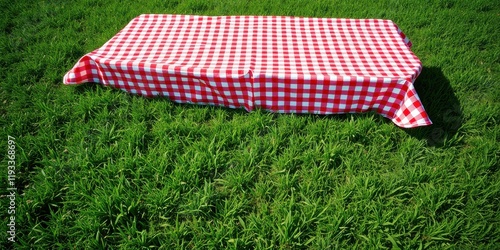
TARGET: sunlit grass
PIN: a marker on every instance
(99, 168)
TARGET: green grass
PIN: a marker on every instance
(99, 168)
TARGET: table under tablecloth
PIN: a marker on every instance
(280, 64)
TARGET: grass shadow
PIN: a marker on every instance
(442, 106)
(87, 87)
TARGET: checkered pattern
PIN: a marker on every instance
(281, 64)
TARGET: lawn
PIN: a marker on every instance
(98, 168)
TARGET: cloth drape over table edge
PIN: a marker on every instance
(393, 97)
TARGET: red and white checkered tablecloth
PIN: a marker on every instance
(281, 64)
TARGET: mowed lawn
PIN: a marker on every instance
(98, 168)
